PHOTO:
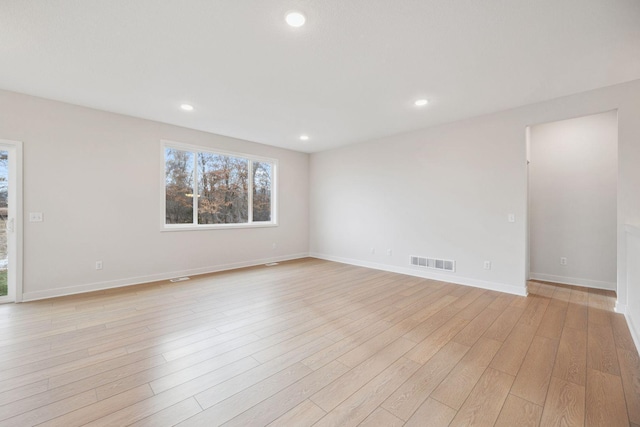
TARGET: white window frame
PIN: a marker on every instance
(164, 144)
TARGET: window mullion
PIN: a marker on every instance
(250, 189)
(196, 190)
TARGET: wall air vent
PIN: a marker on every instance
(434, 263)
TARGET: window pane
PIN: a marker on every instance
(178, 186)
(223, 189)
(262, 191)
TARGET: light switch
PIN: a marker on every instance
(35, 217)
(512, 218)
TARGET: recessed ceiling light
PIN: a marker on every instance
(421, 102)
(187, 107)
(304, 137)
(295, 19)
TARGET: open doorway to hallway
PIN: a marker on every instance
(573, 174)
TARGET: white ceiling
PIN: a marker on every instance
(350, 74)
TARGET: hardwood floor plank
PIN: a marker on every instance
(534, 312)
(251, 377)
(368, 348)
(361, 404)
(338, 391)
(552, 321)
(278, 404)
(457, 385)
(434, 307)
(431, 414)
(601, 349)
(502, 326)
(476, 327)
(512, 353)
(577, 317)
(223, 410)
(406, 399)
(532, 380)
(562, 293)
(571, 360)
(630, 374)
(605, 400)
(519, 412)
(598, 316)
(426, 349)
(229, 340)
(195, 370)
(24, 391)
(483, 405)
(138, 411)
(89, 413)
(53, 410)
(348, 343)
(304, 414)
(59, 371)
(501, 302)
(621, 333)
(172, 415)
(52, 395)
(426, 328)
(545, 289)
(565, 404)
(381, 418)
(178, 372)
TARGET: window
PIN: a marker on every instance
(209, 189)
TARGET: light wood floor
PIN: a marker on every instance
(312, 342)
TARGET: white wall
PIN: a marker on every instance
(573, 177)
(632, 245)
(446, 191)
(96, 177)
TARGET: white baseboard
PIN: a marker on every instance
(427, 274)
(100, 286)
(587, 283)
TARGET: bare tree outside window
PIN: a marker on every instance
(223, 189)
(221, 185)
(178, 186)
(261, 192)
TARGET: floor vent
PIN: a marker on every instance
(179, 279)
(271, 264)
(433, 263)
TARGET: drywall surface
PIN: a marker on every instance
(573, 176)
(96, 177)
(447, 191)
(631, 306)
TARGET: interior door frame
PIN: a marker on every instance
(14, 244)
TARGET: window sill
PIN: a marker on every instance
(191, 227)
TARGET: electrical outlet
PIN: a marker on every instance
(373, 251)
(511, 218)
(98, 265)
(563, 261)
(487, 265)
(36, 217)
(273, 246)
(389, 252)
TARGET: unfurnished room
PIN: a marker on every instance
(319, 213)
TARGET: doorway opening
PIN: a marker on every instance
(10, 221)
(572, 168)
